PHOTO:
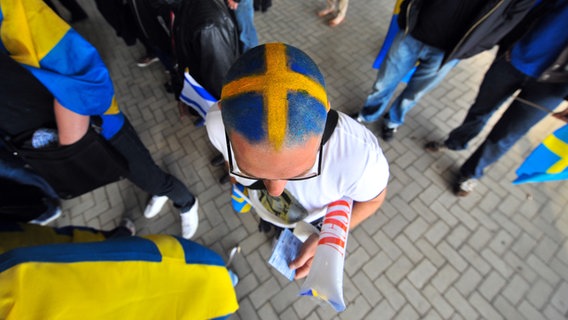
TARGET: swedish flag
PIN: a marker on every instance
(548, 162)
(65, 63)
(151, 277)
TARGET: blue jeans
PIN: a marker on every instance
(245, 22)
(500, 82)
(403, 55)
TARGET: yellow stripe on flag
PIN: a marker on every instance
(24, 32)
(560, 148)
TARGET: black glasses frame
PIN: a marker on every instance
(232, 169)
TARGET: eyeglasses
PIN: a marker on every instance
(234, 169)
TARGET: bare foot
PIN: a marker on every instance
(336, 21)
(325, 12)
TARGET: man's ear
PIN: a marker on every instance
(219, 104)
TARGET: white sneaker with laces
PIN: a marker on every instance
(155, 206)
(190, 221)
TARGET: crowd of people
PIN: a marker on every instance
(288, 154)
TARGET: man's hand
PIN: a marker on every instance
(562, 115)
(232, 4)
(303, 262)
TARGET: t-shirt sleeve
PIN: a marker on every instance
(373, 179)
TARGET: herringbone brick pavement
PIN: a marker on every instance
(500, 253)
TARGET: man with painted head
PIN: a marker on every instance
(294, 154)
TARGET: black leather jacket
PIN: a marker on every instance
(493, 22)
(206, 42)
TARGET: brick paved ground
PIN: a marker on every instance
(501, 253)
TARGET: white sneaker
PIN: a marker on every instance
(190, 221)
(155, 206)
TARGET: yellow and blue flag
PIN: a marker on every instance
(65, 63)
(151, 277)
(389, 38)
(548, 162)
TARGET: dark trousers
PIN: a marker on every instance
(500, 82)
(144, 172)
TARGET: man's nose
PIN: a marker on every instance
(275, 187)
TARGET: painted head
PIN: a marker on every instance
(274, 107)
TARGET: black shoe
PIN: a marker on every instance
(434, 146)
(217, 161)
(225, 178)
(388, 133)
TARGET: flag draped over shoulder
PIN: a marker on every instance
(195, 96)
(63, 61)
(548, 162)
(389, 38)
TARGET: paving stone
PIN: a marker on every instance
(409, 248)
(460, 304)
(483, 307)
(377, 265)
(414, 297)
(437, 232)
(559, 298)
(390, 292)
(438, 302)
(539, 294)
(381, 311)
(529, 311)
(407, 313)
(492, 285)
(422, 273)
(399, 269)
(444, 278)
(468, 281)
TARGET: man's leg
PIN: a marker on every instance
(427, 76)
(144, 172)
(515, 122)
(499, 83)
(401, 58)
(245, 21)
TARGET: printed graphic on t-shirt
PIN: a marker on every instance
(285, 206)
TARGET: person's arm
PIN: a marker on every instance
(360, 212)
(71, 126)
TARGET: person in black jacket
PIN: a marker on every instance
(436, 34)
(537, 64)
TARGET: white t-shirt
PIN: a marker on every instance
(353, 165)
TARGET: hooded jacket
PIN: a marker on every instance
(492, 23)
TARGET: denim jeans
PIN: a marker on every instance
(500, 82)
(245, 22)
(403, 55)
(144, 172)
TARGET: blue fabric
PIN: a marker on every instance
(401, 59)
(535, 167)
(245, 22)
(198, 254)
(538, 49)
(110, 250)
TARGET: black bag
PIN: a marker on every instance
(74, 169)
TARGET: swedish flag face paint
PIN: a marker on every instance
(275, 93)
